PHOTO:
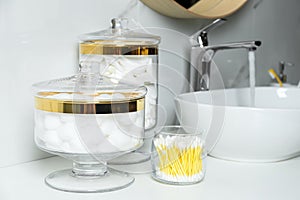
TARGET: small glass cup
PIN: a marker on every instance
(179, 156)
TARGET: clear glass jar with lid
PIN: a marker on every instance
(124, 54)
(89, 119)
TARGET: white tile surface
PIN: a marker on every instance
(224, 180)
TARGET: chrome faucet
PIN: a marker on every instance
(201, 82)
(282, 75)
(210, 51)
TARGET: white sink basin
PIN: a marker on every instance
(267, 132)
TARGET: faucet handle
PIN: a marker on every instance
(282, 65)
(201, 35)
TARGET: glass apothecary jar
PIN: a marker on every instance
(89, 119)
(124, 54)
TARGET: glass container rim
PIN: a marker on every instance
(162, 131)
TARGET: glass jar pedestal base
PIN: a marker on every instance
(88, 178)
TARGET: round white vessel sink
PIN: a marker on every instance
(266, 132)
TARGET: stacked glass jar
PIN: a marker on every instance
(89, 119)
(125, 54)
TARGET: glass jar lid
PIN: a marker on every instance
(120, 35)
(88, 93)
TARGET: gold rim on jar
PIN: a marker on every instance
(87, 107)
(96, 48)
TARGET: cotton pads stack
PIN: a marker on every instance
(136, 70)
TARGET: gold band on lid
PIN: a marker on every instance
(87, 107)
(95, 48)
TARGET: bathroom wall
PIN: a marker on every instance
(39, 42)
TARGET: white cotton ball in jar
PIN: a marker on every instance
(38, 132)
(67, 131)
(99, 120)
(116, 96)
(117, 136)
(103, 97)
(134, 116)
(89, 129)
(136, 69)
(140, 120)
(77, 146)
(109, 126)
(122, 141)
(67, 117)
(82, 97)
(65, 147)
(125, 119)
(62, 96)
(51, 139)
(51, 122)
(91, 137)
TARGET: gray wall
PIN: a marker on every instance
(39, 42)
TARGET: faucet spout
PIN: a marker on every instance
(250, 45)
(204, 81)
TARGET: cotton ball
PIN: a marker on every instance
(130, 123)
(82, 97)
(99, 119)
(118, 96)
(51, 139)
(51, 122)
(125, 119)
(77, 146)
(76, 142)
(135, 115)
(38, 132)
(67, 117)
(64, 96)
(65, 147)
(90, 138)
(109, 126)
(135, 70)
(89, 129)
(140, 122)
(121, 141)
(67, 132)
(103, 97)
(117, 136)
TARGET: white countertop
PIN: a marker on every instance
(224, 180)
